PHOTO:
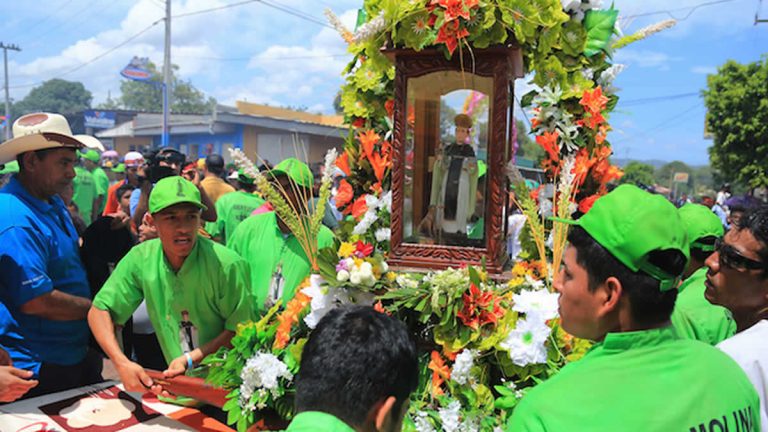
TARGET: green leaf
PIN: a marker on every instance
(525, 102)
(573, 38)
(600, 27)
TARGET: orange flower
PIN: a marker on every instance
(548, 141)
(342, 162)
(440, 373)
(288, 318)
(344, 194)
(449, 34)
(582, 165)
(454, 9)
(480, 308)
(367, 141)
(358, 123)
(594, 102)
(359, 207)
(586, 204)
(389, 106)
(379, 164)
(593, 120)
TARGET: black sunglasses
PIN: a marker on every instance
(731, 258)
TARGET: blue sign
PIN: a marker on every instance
(99, 119)
(137, 69)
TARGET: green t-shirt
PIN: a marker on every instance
(231, 209)
(211, 290)
(259, 240)
(316, 421)
(102, 185)
(696, 318)
(645, 381)
(85, 192)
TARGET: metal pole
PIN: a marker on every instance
(166, 73)
(7, 96)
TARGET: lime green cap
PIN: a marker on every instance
(120, 168)
(630, 223)
(91, 155)
(296, 170)
(10, 168)
(482, 168)
(700, 222)
(171, 191)
(242, 177)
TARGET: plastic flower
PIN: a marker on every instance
(346, 249)
(541, 302)
(440, 373)
(454, 9)
(368, 140)
(363, 250)
(359, 208)
(548, 141)
(594, 102)
(480, 308)
(288, 318)
(344, 193)
(525, 342)
(421, 422)
(262, 371)
(342, 163)
(463, 366)
(383, 234)
(449, 34)
(450, 416)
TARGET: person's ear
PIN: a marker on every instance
(149, 220)
(609, 296)
(385, 416)
(30, 160)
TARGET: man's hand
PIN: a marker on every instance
(177, 367)
(146, 231)
(14, 383)
(5, 358)
(120, 220)
(134, 378)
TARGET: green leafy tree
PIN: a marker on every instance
(56, 95)
(148, 96)
(737, 103)
(665, 173)
(638, 173)
(527, 147)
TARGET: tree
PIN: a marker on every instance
(667, 171)
(638, 173)
(56, 95)
(526, 147)
(148, 96)
(737, 117)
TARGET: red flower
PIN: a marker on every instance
(389, 106)
(359, 207)
(358, 123)
(342, 163)
(363, 250)
(548, 141)
(480, 308)
(454, 9)
(344, 194)
(449, 34)
(586, 204)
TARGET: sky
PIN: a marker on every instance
(283, 52)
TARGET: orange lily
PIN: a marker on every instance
(454, 9)
(344, 194)
(450, 33)
(440, 373)
(342, 162)
(288, 318)
(367, 141)
(548, 141)
(359, 207)
(594, 102)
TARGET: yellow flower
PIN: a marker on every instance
(391, 276)
(346, 249)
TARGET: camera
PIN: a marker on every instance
(162, 163)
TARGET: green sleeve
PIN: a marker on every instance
(525, 418)
(121, 293)
(236, 303)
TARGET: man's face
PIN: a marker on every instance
(734, 218)
(177, 229)
(462, 133)
(729, 284)
(89, 164)
(578, 305)
(295, 195)
(53, 171)
(125, 201)
(132, 174)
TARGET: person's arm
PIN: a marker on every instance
(57, 306)
(208, 215)
(14, 383)
(138, 214)
(132, 375)
(179, 365)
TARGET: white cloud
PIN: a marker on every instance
(704, 70)
(645, 58)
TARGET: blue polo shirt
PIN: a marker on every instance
(38, 253)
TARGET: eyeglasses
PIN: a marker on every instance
(731, 258)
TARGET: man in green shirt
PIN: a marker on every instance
(234, 207)
(362, 384)
(196, 290)
(91, 160)
(694, 317)
(278, 262)
(85, 193)
(618, 286)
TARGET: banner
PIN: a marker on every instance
(99, 119)
(137, 69)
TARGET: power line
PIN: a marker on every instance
(236, 59)
(94, 59)
(669, 12)
(47, 17)
(644, 101)
(280, 7)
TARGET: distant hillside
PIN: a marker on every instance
(656, 163)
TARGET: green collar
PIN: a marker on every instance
(317, 421)
(638, 339)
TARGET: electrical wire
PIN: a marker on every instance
(280, 7)
(94, 59)
(644, 101)
(690, 9)
(236, 59)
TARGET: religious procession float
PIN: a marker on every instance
(428, 186)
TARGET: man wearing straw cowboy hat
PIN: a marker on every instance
(42, 281)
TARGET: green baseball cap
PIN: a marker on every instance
(120, 168)
(171, 191)
(700, 222)
(630, 223)
(242, 177)
(482, 168)
(296, 170)
(91, 155)
(9, 168)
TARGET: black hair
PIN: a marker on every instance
(41, 154)
(121, 190)
(355, 358)
(248, 187)
(755, 220)
(649, 305)
(699, 254)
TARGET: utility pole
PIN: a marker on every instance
(166, 73)
(7, 97)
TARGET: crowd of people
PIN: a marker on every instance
(154, 263)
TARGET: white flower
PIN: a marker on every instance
(342, 276)
(463, 366)
(386, 201)
(261, 372)
(450, 417)
(526, 342)
(355, 278)
(330, 164)
(406, 282)
(421, 422)
(541, 303)
(384, 267)
(383, 234)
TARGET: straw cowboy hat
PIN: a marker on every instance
(38, 131)
(91, 142)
